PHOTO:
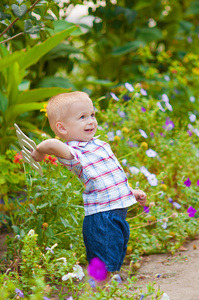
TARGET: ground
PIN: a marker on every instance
(179, 273)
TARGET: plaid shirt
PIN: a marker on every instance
(105, 181)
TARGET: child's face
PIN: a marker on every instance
(80, 123)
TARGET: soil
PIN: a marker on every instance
(178, 274)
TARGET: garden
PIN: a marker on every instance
(139, 63)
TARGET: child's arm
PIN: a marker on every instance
(140, 196)
(51, 147)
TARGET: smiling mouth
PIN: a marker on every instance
(89, 130)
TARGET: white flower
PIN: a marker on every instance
(152, 180)
(192, 117)
(124, 162)
(78, 271)
(110, 135)
(31, 232)
(144, 171)
(143, 92)
(168, 105)
(143, 133)
(118, 132)
(64, 260)
(134, 170)
(165, 98)
(114, 97)
(151, 153)
(68, 276)
(160, 106)
(166, 78)
(129, 87)
(192, 99)
(165, 297)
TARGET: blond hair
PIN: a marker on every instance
(59, 105)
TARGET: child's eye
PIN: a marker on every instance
(82, 117)
(93, 115)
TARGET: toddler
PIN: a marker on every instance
(107, 194)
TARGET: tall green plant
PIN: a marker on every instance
(16, 100)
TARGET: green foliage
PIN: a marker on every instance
(14, 101)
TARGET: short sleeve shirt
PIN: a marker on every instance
(106, 185)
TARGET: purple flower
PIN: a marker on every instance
(198, 182)
(126, 98)
(97, 269)
(189, 132)
(141, 297)
(46, 298)
(19, 293)
(146, 209)
(143, 109)
(143, 92)
(187, 182)
(169, 125)
(152, 134)
(164, 225)
(191, 211)
(176, 205)
(170, 200)
(114, 97)
(49, 249)
(91, 281)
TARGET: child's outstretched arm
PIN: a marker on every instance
(51, 147)
(140, 196)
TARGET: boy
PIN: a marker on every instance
(107, 194)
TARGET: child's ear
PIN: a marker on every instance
(61, 128)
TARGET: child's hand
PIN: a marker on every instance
(140, 196)
(37, 156)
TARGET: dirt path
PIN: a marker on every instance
(179, 273)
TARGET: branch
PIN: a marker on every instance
(11, 38)
(18, 18)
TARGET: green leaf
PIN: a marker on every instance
(60, 25)
(127, 48)
(142, 4)
(32, 207)
(3, 102)
(10, 59)
(185, 25)
(193, 9)
(34, 54)
(19, 11)
(16, 229)
(15, 110)
(49, 82)
(64, 222)
(39, 94)
(100, 82)
(30, 29)
(148, 34)
(2, 180)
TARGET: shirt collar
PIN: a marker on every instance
(81, 144)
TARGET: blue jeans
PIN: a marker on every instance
(106, 235)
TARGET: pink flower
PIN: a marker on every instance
(97, 269)
(191, 211)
